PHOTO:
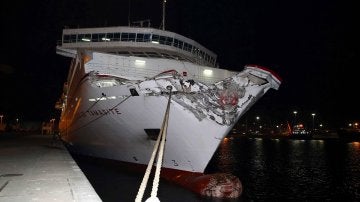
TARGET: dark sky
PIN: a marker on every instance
(312, 45)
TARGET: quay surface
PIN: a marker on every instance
(39, 168)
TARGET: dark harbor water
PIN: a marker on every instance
(269, 169)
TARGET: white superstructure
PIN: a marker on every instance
(115, 95)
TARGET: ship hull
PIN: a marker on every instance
(122, 136)
(120, 121)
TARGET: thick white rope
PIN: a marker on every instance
(161, 137)
(159, 160)
(145, 179)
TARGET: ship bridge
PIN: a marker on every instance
(135, 41)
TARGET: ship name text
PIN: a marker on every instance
(101, 112)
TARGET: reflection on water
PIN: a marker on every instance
(283, 169)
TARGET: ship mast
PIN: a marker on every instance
(129, 10)
(163, 15)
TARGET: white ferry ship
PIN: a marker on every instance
(115, 95)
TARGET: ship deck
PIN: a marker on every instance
(38, 168)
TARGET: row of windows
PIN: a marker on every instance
(139, 37)
(150, 54)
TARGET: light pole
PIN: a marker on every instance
(1, 117)
(257, 123)
(295, 112)
(313, 120)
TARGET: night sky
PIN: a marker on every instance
(313, 45)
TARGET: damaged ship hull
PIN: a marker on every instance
(111, 111)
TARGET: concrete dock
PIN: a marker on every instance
(39, 168)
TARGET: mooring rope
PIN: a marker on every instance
(160, 154)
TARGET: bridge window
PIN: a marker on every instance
(116, 37)
(155, 38)
(169, 41)
(162, 40)
(147, 37)
(132, 36)
(66, 39)
(73, 38)
(110, 36)
(142, 37)
(124, 36)
(84, 38)
(102, 37)
(187, 47)
(95, 38)
(176, 43)
(181, 44)
(128, 36)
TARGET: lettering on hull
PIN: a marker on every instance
(101, 112)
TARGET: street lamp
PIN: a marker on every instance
(257, 126)
(313, 118)
(1, 117)
(295, 112)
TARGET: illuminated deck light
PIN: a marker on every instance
(140, 63)
(208, 72)
(85, 39)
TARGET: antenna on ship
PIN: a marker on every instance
(163, 16)
(129, 10)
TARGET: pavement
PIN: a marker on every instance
(39, 168)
